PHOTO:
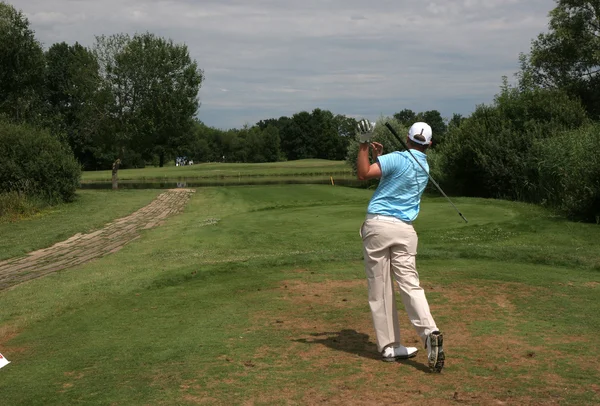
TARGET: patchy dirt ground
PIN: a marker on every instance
(489, 361)
(82, 248)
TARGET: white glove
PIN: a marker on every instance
(365, 130)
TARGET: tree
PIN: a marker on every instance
(21, 66)
(568, 57)
(72, 83)
(166, 84)
(456, 121)
(271, 149)
(297, 137)
(154, 87)
(115, 104)
(435, 120)
(319, 134)
(406, 117)
(324, 135)
(263, 124)
(346, 129)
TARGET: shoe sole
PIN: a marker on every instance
(400, 357)
(436, 363)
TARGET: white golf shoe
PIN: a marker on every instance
(435, 351)
(390, 354)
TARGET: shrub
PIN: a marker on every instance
(569, 172)
(490, 154)
(34, 163)
(545, 111)
(485, 157)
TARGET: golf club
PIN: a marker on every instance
(417, 161)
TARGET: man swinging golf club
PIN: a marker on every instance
(390, 242)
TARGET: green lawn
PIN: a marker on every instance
(256, 295)
(306, 167)
(91, 210)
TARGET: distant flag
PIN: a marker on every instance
(3, 361)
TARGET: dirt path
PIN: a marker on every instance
(84, 247)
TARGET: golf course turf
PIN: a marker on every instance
(257, 295)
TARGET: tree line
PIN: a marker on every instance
(133, 100)
(318, 134)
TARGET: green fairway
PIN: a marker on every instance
(305, 167)
(257, 295)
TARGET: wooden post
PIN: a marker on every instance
(115, 179)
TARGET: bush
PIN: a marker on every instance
(485, 157)
(544, 111)
(569, 171)
(34, 163)
(491, 153)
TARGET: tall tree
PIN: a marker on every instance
(406, 117)
(166, 83)
(325, 137)
(116, 104)
(297, 140)
(319, 134)
(262, 124)
(72, 84)
(435, 120)
(271, 148)
(254, 145)
(21, 66)
(154, 84)
(346, 129)
(438, 126)
(567, 57)
(456, 120)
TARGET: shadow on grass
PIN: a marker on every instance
(353, 342)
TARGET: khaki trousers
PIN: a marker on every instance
(390, 248)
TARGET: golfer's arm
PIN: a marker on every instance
(364, 170)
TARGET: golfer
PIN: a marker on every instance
(390, 242)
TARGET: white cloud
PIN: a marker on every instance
(265, 58)
(50, 18)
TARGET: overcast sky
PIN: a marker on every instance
(268, 58)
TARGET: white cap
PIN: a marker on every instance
(420, 133)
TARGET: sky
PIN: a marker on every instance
(270, 58)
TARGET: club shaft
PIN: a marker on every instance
(422, 167)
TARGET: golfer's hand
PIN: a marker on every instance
(365, 129)
(376, 150)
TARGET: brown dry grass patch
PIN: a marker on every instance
(341, 356)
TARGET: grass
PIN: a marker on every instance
(257, 295)
(215, 171)
(15, 206)
(91, 210)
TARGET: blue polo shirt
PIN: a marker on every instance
(401, 186)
